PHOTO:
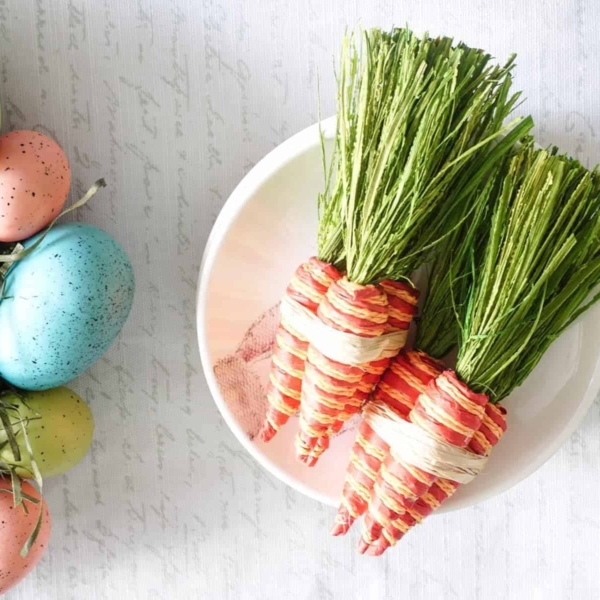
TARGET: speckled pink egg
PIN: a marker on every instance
(34, 183)
(15, 527)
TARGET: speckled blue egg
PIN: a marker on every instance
(63, 306)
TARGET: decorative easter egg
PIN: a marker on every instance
(16, 526)
(64, 304)
(34, 183)
(59, 426)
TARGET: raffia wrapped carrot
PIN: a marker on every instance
(437, 334)
(401, 310)
(408, 375)
(398, 198)
(309, 285)
(331, 388)
(531, 279)
(393, 304)
(492, 428)
(412, 371)
(447, 410)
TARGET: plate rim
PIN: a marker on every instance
(265, 168)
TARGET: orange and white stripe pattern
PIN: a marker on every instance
(372, 372)
(309, 285)
(491, 431)
(447, 409)
(405, 379)
(332, 391)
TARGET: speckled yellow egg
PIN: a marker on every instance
(15, 528)
(59, 428)
(34, 183)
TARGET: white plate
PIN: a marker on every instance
(266, 228)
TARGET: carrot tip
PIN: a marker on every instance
(375, 550)
(339, 529)
(267, 432)
(343, 522)
(362, 546)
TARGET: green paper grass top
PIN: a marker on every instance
(12, 426)
(537, 272)
(449, 275)
(417, 128)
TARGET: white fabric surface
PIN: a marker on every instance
(173, 101)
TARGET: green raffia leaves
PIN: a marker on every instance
(452, 272)
(7, 468)
(38, 479)
(539, 268)
(450, 277)
(7, 431)
(415, 136)
(11, 419)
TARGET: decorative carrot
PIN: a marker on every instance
(398, 97)
(529, 282)
(448, 410)
(492, 428)
(412, 371)
(399, 388)
(333, 392)
(401, 307)
(308, 287)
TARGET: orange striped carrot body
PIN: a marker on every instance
(397, 525)
(402, 300)
(334, 392)
(447, 409)
(492, 428)
(368, 452)
(408, 375)
(406, 379)
(309, 285)
(372, 372)
(330, 386)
